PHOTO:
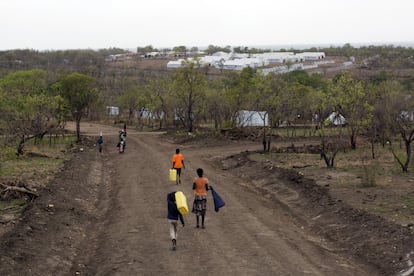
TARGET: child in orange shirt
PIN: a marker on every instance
(178, 164)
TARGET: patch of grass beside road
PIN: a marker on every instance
(40, 163)
(16, 203)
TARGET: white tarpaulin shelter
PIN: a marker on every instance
(336, 119)
(112, 110)
(252, 118)
(174, 63)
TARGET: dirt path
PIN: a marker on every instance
(107, 216)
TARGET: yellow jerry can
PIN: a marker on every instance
(173, 175)
(181, 202)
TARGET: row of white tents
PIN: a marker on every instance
(245, 118)
(236, 61)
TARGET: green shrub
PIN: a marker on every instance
(8, 153)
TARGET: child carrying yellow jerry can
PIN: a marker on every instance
(173, 216)
(181, 202)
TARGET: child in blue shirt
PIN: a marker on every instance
(173, 216)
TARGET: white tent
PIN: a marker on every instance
(112, 110)
(252, 118)
(336, 119)
(174, 63)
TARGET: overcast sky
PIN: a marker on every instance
(97, 24)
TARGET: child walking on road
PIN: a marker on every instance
(173, 216)
(100, 142)
(178, 164)
(200, 187)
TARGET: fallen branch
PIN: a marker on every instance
(301, 167)
(18, 189)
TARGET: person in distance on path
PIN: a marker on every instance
(100, 142)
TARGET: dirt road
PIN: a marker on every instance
(105, 214)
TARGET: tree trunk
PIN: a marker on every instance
(372, 149)
(408, 155)
(20, 146)
(353, 142)
(353, 139)
(78, 130)
(22, 142)
(329, 160)
(403, 165)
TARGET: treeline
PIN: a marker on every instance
(386, 55)
(13, 60)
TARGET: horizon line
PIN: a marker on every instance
(407, 44)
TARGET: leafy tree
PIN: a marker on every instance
(265, 96)
(381, 77)
(349, 99)
(27, 110)
(277, 86)
(189, 87)
(158, 91)
(303, 78)
(292, 105)
(4, 110)
(408, 82)
(241, 49)
(211, 49)
(146, 49)
(132, 100)
(400, 114)
(216, 103)
(238, 87)
(330, 148)
(79, 91)
(194, 50)
(320, 104)
(378, 95)
(180, 50)
(23, 83)
(35, 115)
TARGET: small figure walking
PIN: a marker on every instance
(178, 164)
(121, 141)
(200, 187)
(100, 142)
(173, 216)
